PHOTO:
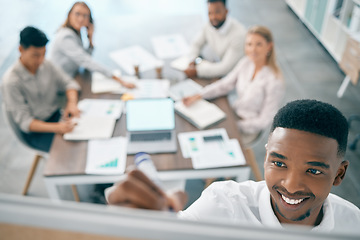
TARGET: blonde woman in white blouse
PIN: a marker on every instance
(68, 51)
(257, 81)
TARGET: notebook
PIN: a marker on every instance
(150, 125)
(202, 114)
(92, 127)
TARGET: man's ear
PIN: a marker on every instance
(341, 173)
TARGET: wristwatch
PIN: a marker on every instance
(198, 60)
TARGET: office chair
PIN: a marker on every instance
(352, 145)
(248, 148)
(39, 154)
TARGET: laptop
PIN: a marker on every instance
(150, 125)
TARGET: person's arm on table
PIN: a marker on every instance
(234, 52)
(122, 82)
(218, 88)
(83, 58)
(52, 127)
(194, 52)
(90, 30)
(71, 109)
(138, 191)
(191, 71)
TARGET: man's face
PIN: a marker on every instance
(217, 13)
(32, 57)
(300, 169)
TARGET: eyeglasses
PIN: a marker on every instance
(77, 14)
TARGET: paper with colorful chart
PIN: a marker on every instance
(221, 155)
(211, 149)
(106, 156)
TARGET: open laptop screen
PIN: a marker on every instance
(150, 114)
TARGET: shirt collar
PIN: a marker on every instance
(268, 217)
(23, 72)
(327, 223)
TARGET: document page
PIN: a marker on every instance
(91, 127)
(183, 89)
(211, 149)
(180, 63)
(106, 156)
(223, 154)
(194, 142)
(101, 107)
(127, 58)
(102, 84)
(169, 46)
(151, 88)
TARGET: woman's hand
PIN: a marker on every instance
(90, 31)
(125, 84)
(190, 100)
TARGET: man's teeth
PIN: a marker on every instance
(292, 201)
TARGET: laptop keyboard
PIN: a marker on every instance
(140, 137)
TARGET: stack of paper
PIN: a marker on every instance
(184, 89)
(106, 156)
(211, 149)
(102, 84)
(201, 114)
(145, 88)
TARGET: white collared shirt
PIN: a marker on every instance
(249, 202)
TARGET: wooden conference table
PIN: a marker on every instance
(67, 159)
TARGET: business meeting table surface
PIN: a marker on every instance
(67, 159)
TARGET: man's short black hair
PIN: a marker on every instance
(315, 117)
(31, 36)
(212, 1)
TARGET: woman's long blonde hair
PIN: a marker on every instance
(270, 58)
(67, 22)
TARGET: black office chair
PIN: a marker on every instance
(353, 144)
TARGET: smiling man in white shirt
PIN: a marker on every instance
(304, 159)
(220, 44)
